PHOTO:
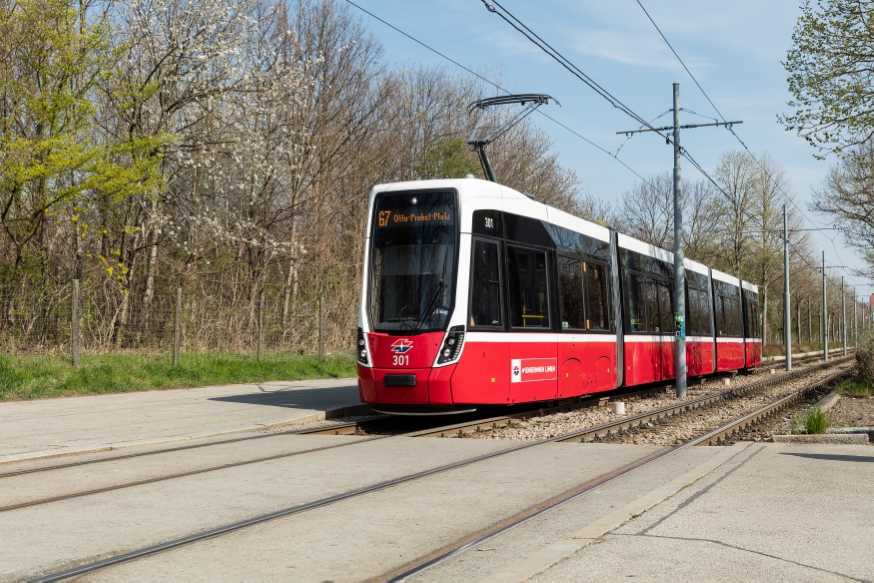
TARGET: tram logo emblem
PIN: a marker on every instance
(533, 369)
(402, 346)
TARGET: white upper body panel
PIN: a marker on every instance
(626, 242)
(724, 277)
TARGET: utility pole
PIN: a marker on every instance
(679, 267)
(787, 328)
(824, 315)
(855, 322)
(843, 316)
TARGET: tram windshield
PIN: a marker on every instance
(412, 262)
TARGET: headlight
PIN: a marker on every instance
(362, 352)
(452, 345)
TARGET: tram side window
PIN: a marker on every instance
(732, 316)
(570, 292)
(704, 313)
(652, 306)
(634, 305)
(485, 294)
(753, 314)
(667, 314)
(720, 316)
(528, 294)
(739, 318)
(596, 291)
(693, 327)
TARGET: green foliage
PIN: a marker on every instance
(54, 161)
(448, 159)
(814, 422)
(865, 359)
(29, 377)
(829, 74)
(855, 388)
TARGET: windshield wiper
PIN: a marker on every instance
(441, 286)
(438, 293)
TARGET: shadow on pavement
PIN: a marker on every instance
(832, 457)
(320, 399)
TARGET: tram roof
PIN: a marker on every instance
(627, 242)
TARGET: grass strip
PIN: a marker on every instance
(39, 377)
(855, 387)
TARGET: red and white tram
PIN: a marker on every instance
(474, 294)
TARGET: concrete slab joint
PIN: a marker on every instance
(546, 557)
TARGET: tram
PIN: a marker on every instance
(475, 294)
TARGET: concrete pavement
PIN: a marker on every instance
(775, 512)
(48, 427)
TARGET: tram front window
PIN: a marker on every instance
(412, 262)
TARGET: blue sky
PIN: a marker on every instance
(734, 50)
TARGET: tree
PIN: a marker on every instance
(448, 159)
(829, 68)
(54, 161)
(737, 173)
(847, 196)
(647, 211)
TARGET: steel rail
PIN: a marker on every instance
(350, 428)
(618, 425)
(470, 427)
(157, 451)
(81, 493)
(203, 535)
(765, 412)
(357, 428)
(427, 561)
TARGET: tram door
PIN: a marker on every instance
(533, 357)
(666, 324)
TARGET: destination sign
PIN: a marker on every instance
(401, 219)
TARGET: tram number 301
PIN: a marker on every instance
(401, 360)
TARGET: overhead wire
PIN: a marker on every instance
(731, 129)
(517, 24)
(567, 64)
(495, 85)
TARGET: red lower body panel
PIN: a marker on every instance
(729, 354)
(496, 372)
(643, 360)
(650, 359)
(753, 353)
(699, 357)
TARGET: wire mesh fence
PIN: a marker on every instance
(90, 318)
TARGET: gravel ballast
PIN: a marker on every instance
(667, 432)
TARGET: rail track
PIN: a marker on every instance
(385, 424)
(466, 542)
(388, 426)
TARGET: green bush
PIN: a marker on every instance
(865, 359)
(814, 422)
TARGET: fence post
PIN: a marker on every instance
(321, 327)
(177, 327)
(261, 326)
(75, 339)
